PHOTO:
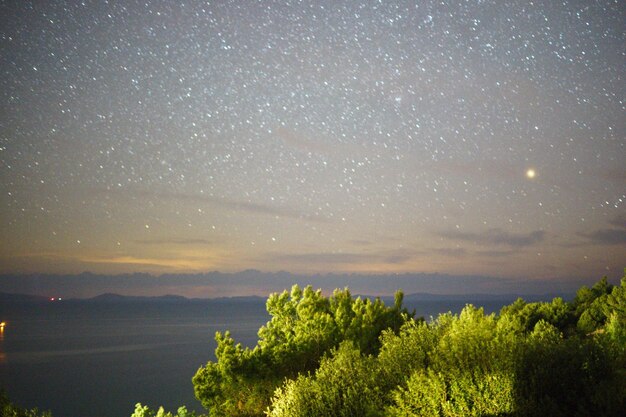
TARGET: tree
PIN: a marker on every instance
(403, 353)
(560, 376)
(145, 411)
(468, 372)
(345, 356)
(345, 384)
(8, 409)
(589, 306)
(304, 326)
(431, 393)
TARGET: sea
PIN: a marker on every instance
(98, 359)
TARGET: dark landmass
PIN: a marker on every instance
(21, 298)
(259, 283)
(479, 297)
(119, 298)
(171, 298)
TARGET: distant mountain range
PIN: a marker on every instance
(408, 298)
(116, 298)
(252, 282)
(21, 298)
(485, 297)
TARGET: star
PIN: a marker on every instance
(205, 126)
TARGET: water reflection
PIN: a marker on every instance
(3, 356)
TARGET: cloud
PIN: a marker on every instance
(325, 258)
(235, 205)
(607, 236)
(495, 253)
(619, 221)
(174, 241)
(174, 264)
(397, 259)
(612, 236)
(360, 242)
(394, 257)
(462, 252)
(497, 237)
(451, 252)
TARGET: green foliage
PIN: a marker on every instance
(616, 301)
(340, 356)
(528, 361)
(566, 377)
(590, 304)
(344, 385)
(405, 352)
(468, 372)
(145, 411)
(431, 393)
(558, 313)
(8, 409)
(304, 326)
(467, 341)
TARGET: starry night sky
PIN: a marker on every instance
(314, 137)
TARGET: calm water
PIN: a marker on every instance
(98, 360)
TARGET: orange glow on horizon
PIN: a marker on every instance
(180, 264)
